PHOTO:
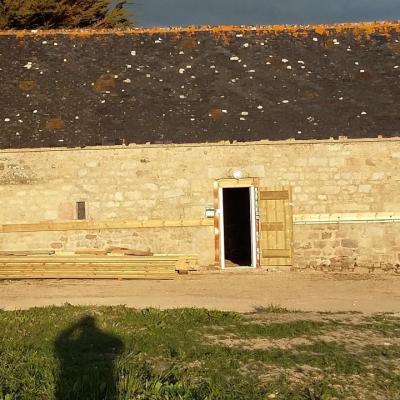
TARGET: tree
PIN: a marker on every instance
(54, 14)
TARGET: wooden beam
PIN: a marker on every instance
(274, 195)
(346, 218)
(272, 226)
(276, 253)
(236, 183)
(50, 226)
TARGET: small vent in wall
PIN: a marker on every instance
(81, 210)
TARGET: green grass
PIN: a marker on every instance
(273, 308)
(118, 353)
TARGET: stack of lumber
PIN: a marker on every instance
(26, 253)
(185, 263)
(121, 251)
(77, 266)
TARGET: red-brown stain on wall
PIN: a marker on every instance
(216, 114)
(55, 123)
(27, 86)
(105, 83)
(189, 43)
(66, 211)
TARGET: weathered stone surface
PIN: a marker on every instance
(66, 211)
(349, 243)
(326, 235)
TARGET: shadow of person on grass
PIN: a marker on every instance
(86, 356)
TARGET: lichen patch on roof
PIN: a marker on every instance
(360, 29)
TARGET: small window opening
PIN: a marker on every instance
(81, 209)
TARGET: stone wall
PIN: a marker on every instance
(363, 247)
(176, 182)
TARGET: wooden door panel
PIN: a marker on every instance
(276, 226)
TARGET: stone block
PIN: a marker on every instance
(317, 161)
(119, 196)
(364, 188)
(343, 251)
(330, 189)
(326, 235)
(173, 193)
(50, 215)
(333, 227)
(377, 176)
(133, 195)
(82, 172)
(350, 243)
(92, 164)
(182, 183)
(150, 186)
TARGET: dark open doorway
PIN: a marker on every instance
(237, 226)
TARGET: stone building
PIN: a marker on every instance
(250, 146)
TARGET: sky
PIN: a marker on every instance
(260, 12)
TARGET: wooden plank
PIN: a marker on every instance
(171, 269)
(94, 258)
(235, 183)
(271, 218)
(83, 277)
(50, 226)
(9, 267)
(276, 253)
(86, 268)
(289, 229)
(343, 218)
(187, 264)
(91, 252)
(274, 195)
(275, 226)
(272, 226)
(128, 252)
(26, 252)
(72, 268)
(281, 235)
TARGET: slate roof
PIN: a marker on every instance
(196, 85)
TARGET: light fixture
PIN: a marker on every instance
(237, 173)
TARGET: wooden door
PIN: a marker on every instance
(276, 226)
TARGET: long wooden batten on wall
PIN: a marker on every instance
(346, 218)
(50, 226)
(298, 219)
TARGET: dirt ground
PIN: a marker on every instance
(235, 291)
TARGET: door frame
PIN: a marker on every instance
(219, 186)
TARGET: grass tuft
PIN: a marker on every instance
(273, 309)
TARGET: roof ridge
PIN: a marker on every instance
(366, 27)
